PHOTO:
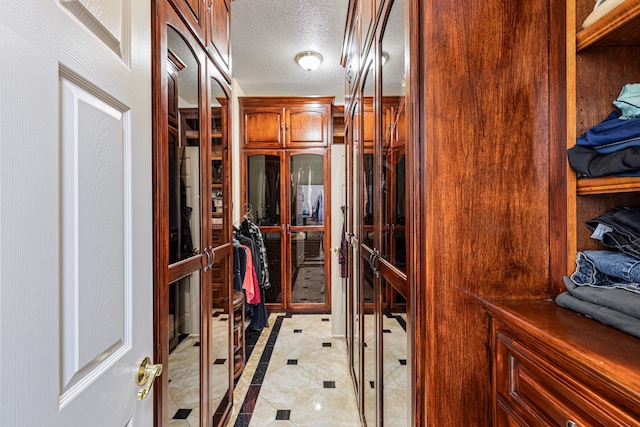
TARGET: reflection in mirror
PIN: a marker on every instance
(184, 338)
(368, 132)
(354, 256)
(183, 370)
(220, 351)
(395, 341)
(393, 140)
(184, 149)
(367, 280)
(370, 344)
(395, 388)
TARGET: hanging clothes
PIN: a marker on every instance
(342, 254)
(250, 283)
(250, 229)
(250, 235)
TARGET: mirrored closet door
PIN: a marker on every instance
(193, 267)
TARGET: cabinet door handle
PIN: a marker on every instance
(571, 424)
(286, 127)
(213, 257)
(206, 252)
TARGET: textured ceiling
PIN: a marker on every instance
(266, 36)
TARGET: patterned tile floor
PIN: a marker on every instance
(297, 375)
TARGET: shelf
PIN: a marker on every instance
(607, 184)
(618, 27)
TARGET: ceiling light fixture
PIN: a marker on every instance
(309, 60)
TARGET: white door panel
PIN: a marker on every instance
(76, 253)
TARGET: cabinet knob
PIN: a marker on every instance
(571, 424)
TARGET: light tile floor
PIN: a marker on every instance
(297, 375)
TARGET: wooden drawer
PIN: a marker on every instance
(534, 389)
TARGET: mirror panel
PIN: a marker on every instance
(184, 149)
(395, 344)
(184, 343)
(369, 344)
(354, 215)
(395, 387)
(393, 139)
(221, 320)
(184, 211)
(368, 132)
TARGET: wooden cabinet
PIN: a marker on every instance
(194, 13)
(285, 122)
(239, 349)
(338, 124)
(555, 367)
(210, 21)
(287, 185)
(218, 27)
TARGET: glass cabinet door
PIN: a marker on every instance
(263, 189)
(263, 177)
(307, 267)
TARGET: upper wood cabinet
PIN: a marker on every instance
(194, 13)
(210, 21)
(218, 26)
(286, 122)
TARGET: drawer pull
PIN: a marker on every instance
(571, 424)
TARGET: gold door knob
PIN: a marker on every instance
(147, 373)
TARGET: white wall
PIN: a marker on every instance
(236, 91)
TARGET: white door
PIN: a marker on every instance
(76, 281)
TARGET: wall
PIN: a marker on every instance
(236, 91)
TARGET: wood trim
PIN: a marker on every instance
(615, 28)
(160, 127)
(558, 109)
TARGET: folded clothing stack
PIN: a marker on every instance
(606, 283)
(612, 147)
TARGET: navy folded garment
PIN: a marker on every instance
(612, 134)
(605, 315)
(619, 228)
(589, 163)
